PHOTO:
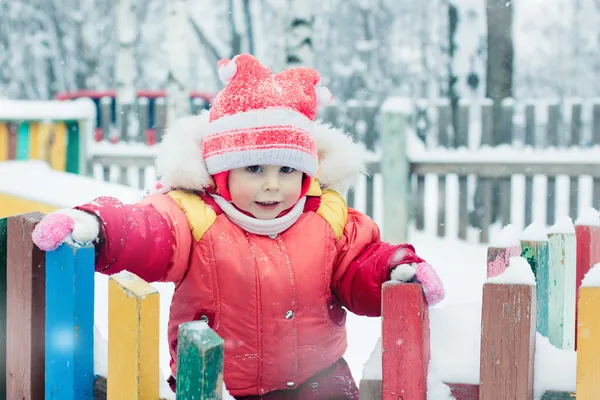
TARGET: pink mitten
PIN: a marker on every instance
(431, 282)
(425, 275)
(65, 225)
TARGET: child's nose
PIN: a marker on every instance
(271, 183)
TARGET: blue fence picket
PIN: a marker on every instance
(70, 323)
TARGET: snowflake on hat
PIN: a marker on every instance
(259, 118)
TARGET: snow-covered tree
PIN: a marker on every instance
(178, 82)
(126, 59)
(299, 32)
(557, 48)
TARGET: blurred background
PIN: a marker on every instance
(363, 48)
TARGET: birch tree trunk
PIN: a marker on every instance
(178, 83)
(249, 26)
(125, 68)
(299, 34)
(500, 55)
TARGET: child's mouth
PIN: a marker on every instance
(267, 205)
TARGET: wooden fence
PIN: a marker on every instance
(552, 151)
(47, 328)
(47, 324)
(535, 284)
(548, 141)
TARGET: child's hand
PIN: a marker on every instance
(425, 275)
(64, 226)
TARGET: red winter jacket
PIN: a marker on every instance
(276, 302)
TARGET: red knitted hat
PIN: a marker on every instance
(261, 118)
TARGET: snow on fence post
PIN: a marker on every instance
(534, 248)
(70, 323)
(25, 305)
(504, 244)
(588, 337)
(562, 251)
(405, 342)
(133, 338)
(395, 168)
(587, 232)
(199, 361)
(508, 334)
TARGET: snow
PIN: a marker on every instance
(35, 180)
(507, 154)
(518, 272)
(25, 110)
(592, 278)
(536, 232)
(401, 105)
(589, 217)
(563, 224)
(553, 368)
(506, 237)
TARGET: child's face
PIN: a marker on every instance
(265, 190)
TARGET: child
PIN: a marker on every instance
(255, 237)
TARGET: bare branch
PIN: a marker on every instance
(204, 40)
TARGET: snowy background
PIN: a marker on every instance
(51, 46)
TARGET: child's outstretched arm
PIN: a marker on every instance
(364, 263)
(151, 239)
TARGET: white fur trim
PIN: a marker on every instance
(228, 71)
(260, 119)
(341, 161)
(86, 227)
(404, 272)
(179, 161)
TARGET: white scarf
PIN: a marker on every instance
(265, 227)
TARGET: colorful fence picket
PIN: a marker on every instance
(512, 312)
(47, 328)
(53, 131)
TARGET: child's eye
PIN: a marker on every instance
(287, 170)
(254, 169)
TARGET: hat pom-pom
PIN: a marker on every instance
(227, 70)
(324, 96)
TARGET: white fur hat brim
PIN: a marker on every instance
(180, 163)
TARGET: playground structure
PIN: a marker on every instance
(148, 111)
(47, 328)
(555, 304)
(43, 163)
(52, 131)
